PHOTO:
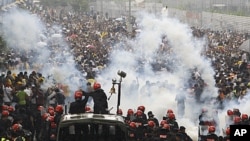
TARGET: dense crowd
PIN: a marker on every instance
(32, 112)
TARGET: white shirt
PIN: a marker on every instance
(51, 99)
(7, 91)
(27, 91)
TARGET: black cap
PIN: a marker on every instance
(182, 128)
(150, 113)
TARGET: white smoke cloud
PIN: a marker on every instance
(165, 85)
(21, 28)
(44, 46)
(23, 31)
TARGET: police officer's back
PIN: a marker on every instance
(184, 135)
(151, 117)
(227, 137)
(174, 127)
(140, 124)
(78, 106)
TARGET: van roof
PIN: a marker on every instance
(90, 117)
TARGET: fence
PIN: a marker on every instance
(214, 21)
(198, 13)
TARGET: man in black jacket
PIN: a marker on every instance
(99, 98)
(78, 106)
(184, 135)
(60, 98)
(100, 107)
(151, 117)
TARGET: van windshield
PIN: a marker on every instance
(91, 132)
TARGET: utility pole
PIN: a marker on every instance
(101, 6)
(122, 74)
(129, 11)
(129, 21)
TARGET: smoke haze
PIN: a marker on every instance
(185, 55)
(23, 30)
(43, 45)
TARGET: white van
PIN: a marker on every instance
(92, 127)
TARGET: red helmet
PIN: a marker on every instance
(211, 129)
(166, 126)
(96, 86)
(142, 108)
(244, 117)
(5, 107)
(139, 113)
(171, 116)
(130, 112)
(11, 109)
(78, 95)
(163, 122)
(230, 112)
(59, 109)
(87, 109)
(16, 127)
(170, 111)
(151, 123)
(5, 113)
(237, 119)
(119, 112)
(228, 131)
(132, 124)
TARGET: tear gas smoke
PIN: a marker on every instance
(184, 54)
(43, 45)
(156, 90)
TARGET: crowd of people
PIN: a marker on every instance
(33, 113)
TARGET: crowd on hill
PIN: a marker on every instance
(91, 37)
